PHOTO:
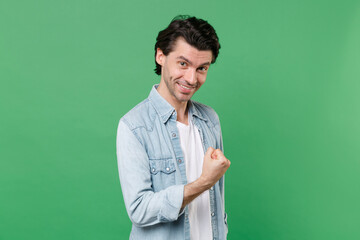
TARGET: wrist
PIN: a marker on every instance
(205, 183)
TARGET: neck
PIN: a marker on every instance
(182, 114)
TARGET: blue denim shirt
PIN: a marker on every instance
(152, 169)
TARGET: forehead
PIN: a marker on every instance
(182, 48)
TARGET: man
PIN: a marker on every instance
(169, 148)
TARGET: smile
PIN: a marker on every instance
(185, 86)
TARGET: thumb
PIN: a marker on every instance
(209, 152)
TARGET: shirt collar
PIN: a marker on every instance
(165, 110)
(194, 111)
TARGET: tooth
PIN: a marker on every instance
(185, 87)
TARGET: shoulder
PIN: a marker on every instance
(207, 112)
(142, 115)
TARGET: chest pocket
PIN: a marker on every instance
(162, 173)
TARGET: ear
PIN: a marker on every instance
(160, 57)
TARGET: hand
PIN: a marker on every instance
(214, 166)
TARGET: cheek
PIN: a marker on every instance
(177, 72)
(202, 79)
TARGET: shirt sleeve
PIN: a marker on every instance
(222, 179)
(144, 206)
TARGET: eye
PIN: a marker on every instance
(202, 69)
(183, 64)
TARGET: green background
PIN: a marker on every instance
(286, 87)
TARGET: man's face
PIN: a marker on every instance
(183, 71)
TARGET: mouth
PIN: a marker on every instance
(185, 88)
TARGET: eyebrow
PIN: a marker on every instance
(187, 60)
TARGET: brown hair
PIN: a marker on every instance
(196, 32)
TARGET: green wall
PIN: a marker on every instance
(286, 87)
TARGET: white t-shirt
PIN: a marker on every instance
(199, 208)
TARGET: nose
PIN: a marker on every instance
(190, 76)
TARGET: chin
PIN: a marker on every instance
(184, 98)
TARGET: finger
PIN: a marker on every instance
(219, 152)
(209, 152)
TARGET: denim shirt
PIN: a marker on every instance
(152, 169)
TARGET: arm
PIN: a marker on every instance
(214, 167)
(144, 206)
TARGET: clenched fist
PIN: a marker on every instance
(214, 166)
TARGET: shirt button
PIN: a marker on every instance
(167, 169)
(179, 160)
(212, 214)
(174, 135)
(212, 188)
(153, 170)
